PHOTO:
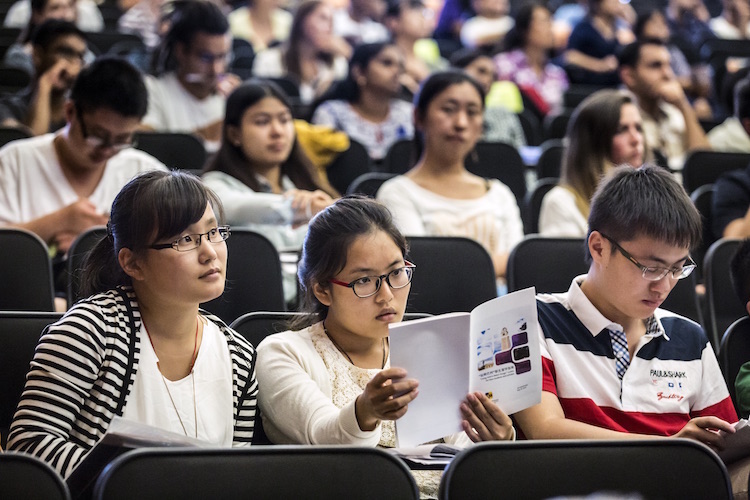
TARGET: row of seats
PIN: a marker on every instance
(549, 264)
(486, 470)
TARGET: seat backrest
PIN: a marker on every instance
(555, 126)
(77, 254)
(173, 149)
(13, 79)
(550, 160)
(258, 472)
(532, 204)
(453, 274)
(289, 86)
(254, 281)
(532, 129)
(702, 199)
(669, 469)
(25, 272)
(348, 166)
(258, 325)
(549, 264)
(8, 134)
(723, 305)
(704, 167)
(400, 157)
(735, 352)
(369, 183)
(25, 476)
(19, 335)
(501, 161)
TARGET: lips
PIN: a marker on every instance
(387, 314)
(210, 273)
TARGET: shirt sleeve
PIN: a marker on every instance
(63, 372)
(559, 216)
(742, 389)
(9, 200)
(325, 115)
(291, 399)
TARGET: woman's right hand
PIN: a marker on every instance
(306, 204)
(386, 397)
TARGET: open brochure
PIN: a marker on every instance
(737, 445)
(122, 435)
(493, 350)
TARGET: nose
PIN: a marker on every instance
(462, 120)
(385, 294)
(664, 285)
(207, 249)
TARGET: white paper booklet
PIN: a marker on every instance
(737, 444)
(494, 350)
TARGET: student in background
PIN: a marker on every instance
(331, 382)
(313, 57)
(500, 125)
(526, 62)
(439, 197)
(260, 22)
(157, 359)
(189, 94)
(605, 131)
(365, 104)
(263, 178)
(740, 274)
(489, 26)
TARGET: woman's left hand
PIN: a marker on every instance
(484, 420)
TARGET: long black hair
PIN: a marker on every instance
(230, 158)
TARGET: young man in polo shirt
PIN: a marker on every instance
(615, 365)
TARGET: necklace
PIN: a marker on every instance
(192, 377)
(344, 352)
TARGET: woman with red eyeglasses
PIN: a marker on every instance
(331, 382)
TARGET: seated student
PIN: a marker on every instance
(263, 178)
(157, 359)
(86, 14)
(260, 22)
(591, 55)
(500, 124)
(189, 93)
(526, 59)
(734, 21)
(365, 105)
(439, 197)
(144, 19)
(59, 52)
(604, 131)
(361, 22)
(59, 185)
(410, 25)
(489, 26)
(733, 135)
(20, 54)
(740, 275)
(615, 366)
(313, 56)
(331, 382)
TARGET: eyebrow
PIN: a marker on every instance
(663, 262)
(360, 270)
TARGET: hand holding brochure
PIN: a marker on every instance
(494, 350)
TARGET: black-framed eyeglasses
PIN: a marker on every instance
(655, 273)
(94, 141)
(192, 241)
(367, 286)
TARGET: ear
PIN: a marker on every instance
(417, 119)
(597, 247)
(234, 136)
(627, 77)
(129, 263)
(180, 52)
(323, 294)
(357, 74)
(37, 56)
(747, 307)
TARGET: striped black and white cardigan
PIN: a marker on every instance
(83, 370)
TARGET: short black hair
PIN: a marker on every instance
(631, 53)
(111, 83)
(740, 272)
(52, 29)
(647, 201)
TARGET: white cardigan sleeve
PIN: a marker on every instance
(295, 396)
(560, 216)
